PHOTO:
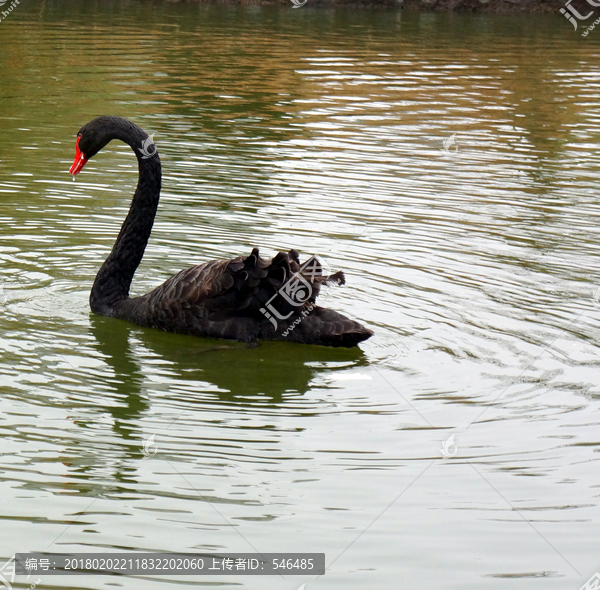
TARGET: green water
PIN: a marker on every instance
(448, 163)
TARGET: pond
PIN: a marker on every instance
(449, 164)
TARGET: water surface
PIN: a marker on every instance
(448, 163)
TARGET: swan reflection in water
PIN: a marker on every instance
(140, 367)
(192, 372)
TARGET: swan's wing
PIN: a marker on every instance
(236, 295)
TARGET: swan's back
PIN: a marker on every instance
(247, 298)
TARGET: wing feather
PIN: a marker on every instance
(227, 298)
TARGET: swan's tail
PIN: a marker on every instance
(285, 296)
(325, 327)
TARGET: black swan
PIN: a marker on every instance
(248, 298)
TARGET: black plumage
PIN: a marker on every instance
(247, 298)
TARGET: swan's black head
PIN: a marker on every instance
(93, 136)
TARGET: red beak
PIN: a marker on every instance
(80, 160)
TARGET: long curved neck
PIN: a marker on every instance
(115, 275)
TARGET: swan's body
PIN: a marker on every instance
(232, 299)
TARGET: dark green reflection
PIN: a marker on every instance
(239, 371)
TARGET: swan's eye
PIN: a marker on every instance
(80, 160)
